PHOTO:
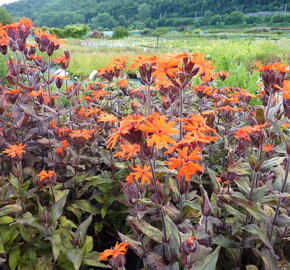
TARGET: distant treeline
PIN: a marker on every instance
(147, 13)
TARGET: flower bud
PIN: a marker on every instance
(118, 262)
(189, 246)
(205, 203)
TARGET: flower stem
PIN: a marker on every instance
(180, 112)
(280, 199)
(159, 199)
(254, 183)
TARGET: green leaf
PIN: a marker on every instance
(2, 249)
(224, 242)
(121, 174)
(56, 245)
(81, 232)
(85, 206)
(252, 207)
(173, 234)
(98, 180)
(150, 231)
(57, 208)
(75, 256)
(6, 220)
(173, 186)
(260, 233)
(269, 259)
(14, 258)
(283, 220)
(251, 267)
(237, 214)
(66, 222)
(14, 181)
(91, 259)
(259, 193)
(103, 211)
(208, 262)
(88, 245)
(10, 209)
(269, 164)
(215, 183)
(98, 227)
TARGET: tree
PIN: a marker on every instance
(120, 32)
(104, 20)
(235, 18)
(5, 17)
(144, 12)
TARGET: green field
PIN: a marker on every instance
(236, 56)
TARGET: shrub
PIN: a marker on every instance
(235, 17)
(70, 31)
(120, 32)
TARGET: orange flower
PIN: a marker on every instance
(59, 150)
(3, 36)
(107, 117)
(36, 93)
(184, 163)
(15, 150)
(123, 83)
(267, 148)
(144, 174)
(119, 249)
(52, 38)
(144, 61)
(261, 67)
(14, 91)
(99, 94)
(245, 132)
(62, 60)
(158, 129)
(286, 125)
(64, 144)
(128, 151)
(286, 89)
(196, 125)
(43, 175)
(283, 68)
(82, 133)
(131, 122)
(52, 124)
(167, 65)
(229, 109)
(242, 134)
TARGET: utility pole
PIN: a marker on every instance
(157, 41)
(285, 8)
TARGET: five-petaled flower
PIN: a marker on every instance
(118, 249)
(185, 163)
(158, 130)
(144, 174)
(15, 150)
(46, 175)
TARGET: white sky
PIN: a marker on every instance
(6, 2)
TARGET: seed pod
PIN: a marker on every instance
(205, 203)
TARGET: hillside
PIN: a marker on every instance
(125, 12)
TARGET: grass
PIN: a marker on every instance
(226, 54)
(236, 56)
